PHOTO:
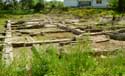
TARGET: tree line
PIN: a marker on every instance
(37, 5)
(21, 4)
(118, 5)
(121, 5)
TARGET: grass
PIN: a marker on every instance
(16, 17)
(27, 14)
(54, 36)
(16, 12)
(46, 62)
(81, 12)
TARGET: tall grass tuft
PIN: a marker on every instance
(76, 62)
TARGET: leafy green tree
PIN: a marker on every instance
(15, 4)
(27, 4)
(118, 4)
(1, 4)
(114, 3)
(39, 6)
(121, 5)
(8, 4)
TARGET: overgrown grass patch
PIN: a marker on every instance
(81, 12)
(16, 12)
(46, 62)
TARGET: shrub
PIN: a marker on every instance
(113, 4)
(39, 6)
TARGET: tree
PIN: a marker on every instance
(118, 4)
(8, 4)
(113, 4)
(1, 4)
(39, 6)
(121, 5)
(27, 4)
(15, 4)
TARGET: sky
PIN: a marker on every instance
(51, 0)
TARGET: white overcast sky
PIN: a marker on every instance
(57, 0)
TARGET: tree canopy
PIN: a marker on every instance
(119, 5)
(19, 4)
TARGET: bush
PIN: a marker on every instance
(113, 4)
(38, 7)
